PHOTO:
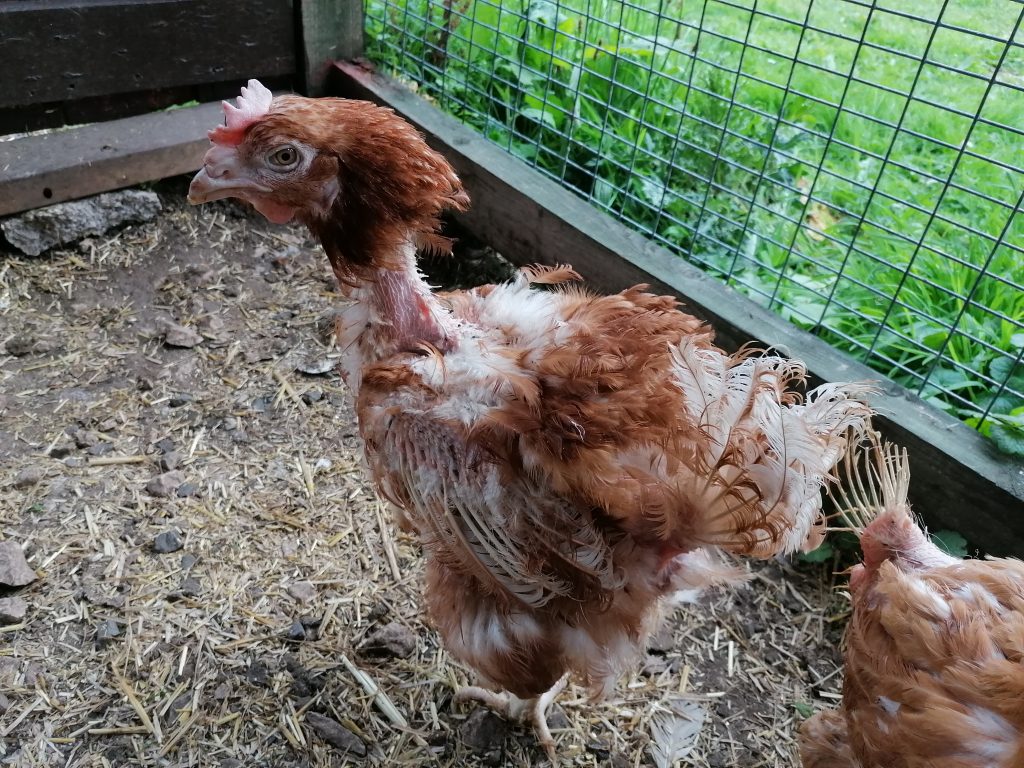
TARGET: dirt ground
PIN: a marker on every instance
(291, 598)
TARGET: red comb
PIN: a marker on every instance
(253, 103)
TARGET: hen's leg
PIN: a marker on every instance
(512, 707)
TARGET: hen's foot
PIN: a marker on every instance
(511, 707)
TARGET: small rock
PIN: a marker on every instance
(14, 570)
(335, 734)
(310, 622)
(94, 594)
(191, 587)
(59, 452)
(377, 612)
(170, 461)
(107, 631)
(182, 702)
(296, 631)
(260, 354)
(600, 750)
(168, 541)
(316, 366)
(12, 610)
(304, 683)
(29, 476)
(663, 640)
(484, 733)
(20, 345)
(179, 336)
(240, 436)
(179, 400)
(166, 484)
(438, 739)
(393, 639)
(33, 675)
(257, 673)
(100, 449)
(43, 228)
(213, 325)
(557, 717)
(312, 396)
(221, 692)
(261, 403)
(74, 461)
(303, 591)
(187, 490)
(5, 703)
(107, 425)
(188, 560)
(85, 438)
(165, 445)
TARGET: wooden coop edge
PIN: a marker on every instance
(959, 479)
(66, 164)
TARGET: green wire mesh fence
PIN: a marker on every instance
(856, 166)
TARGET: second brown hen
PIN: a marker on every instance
(934, 659)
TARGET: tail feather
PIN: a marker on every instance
(766, 456)
(874, 504)
(877, 480)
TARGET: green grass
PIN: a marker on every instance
(824, 213)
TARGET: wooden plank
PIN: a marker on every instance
(113, 107)
(62, 50)
(49, 168)
(959, 480)
(331, 30)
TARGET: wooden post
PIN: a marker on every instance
(331, 30)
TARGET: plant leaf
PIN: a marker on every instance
(1008, 439)
(822, 554)
(803, 709)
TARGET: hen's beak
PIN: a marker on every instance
(222, 175)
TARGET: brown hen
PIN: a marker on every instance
(934, 674)
(571, 463)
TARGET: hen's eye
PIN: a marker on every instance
(283, 157)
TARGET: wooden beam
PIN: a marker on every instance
(65, 50)
(331, 30)
(49, 168)
(959, 481)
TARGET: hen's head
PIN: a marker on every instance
(877, 503)
(359, 176)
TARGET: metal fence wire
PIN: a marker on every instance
(856, 166)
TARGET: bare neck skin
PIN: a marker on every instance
(390, 310)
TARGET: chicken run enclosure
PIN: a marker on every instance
(840, 179)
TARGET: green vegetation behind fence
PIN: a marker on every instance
(857, 167)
